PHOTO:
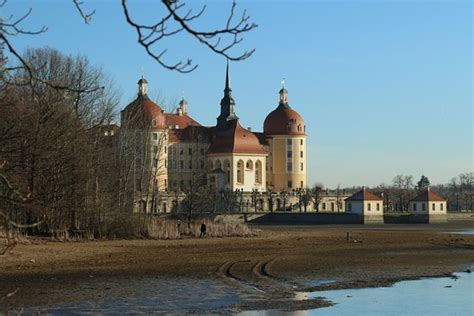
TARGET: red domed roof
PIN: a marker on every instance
(284, 121)
(142, 112)
(236, 139)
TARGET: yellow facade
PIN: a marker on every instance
(287, 162)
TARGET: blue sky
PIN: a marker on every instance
(385, 87)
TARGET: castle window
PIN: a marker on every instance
(324, 206)
(301, 166)
(181, 164)
(289, 142)
(301, 142)
(166, 163)
(301, 154)
(181, 151)
(433, 207)
(290, 184)
(190, 164)
(249, 165)
(441, 206)
(155, 136)
(289, 154)
(288, 128)
(155, 163)
(414, 207)
(368, 206)
(240, 172)
(302, 184)
(289, 167)
(258, 172)
(155, 150)
(190, 151)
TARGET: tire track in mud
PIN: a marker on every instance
(260, 269)
(259, 277)
(267, 291)
(225, 272)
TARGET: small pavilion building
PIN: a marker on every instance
(367, 205)
(428, 207)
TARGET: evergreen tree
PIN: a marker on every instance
(423, 184)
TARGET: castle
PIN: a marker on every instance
(169, 162)
(178, 151)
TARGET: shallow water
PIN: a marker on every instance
(463, 232)
(436, 296)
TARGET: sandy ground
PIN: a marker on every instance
(276, 261)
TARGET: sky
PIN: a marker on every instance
(384, 87)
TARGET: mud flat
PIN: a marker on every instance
(261, 272)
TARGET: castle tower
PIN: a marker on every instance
(285, 132)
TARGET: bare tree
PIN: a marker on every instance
(316, 195)
(175, 17)
(48, 141)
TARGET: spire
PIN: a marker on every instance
(227, 79)
(227, 103)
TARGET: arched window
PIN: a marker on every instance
(211, 165)
(249, 165)
(258, 172)
(240, 172)
(218, 164)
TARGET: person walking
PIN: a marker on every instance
(203, 230)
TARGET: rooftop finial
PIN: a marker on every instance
(283, 83)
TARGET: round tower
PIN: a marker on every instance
(286, 135)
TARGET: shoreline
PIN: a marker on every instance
(275, 264)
